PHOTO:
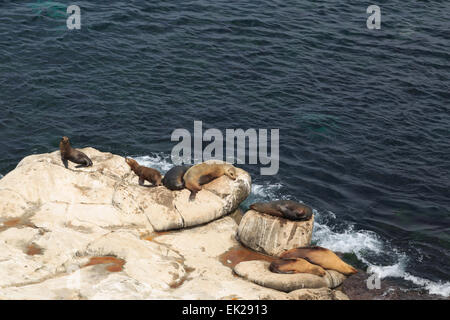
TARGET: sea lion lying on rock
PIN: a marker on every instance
(295, 266)
(323, 257)
(173, 179)
(287, 209)
(258, 272)
(70, 154)
(203, 173)
(151, 175)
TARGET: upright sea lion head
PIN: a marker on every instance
(132, 163)
(230, 172)
(65, 140)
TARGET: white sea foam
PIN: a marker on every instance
(439, 288)
(349, 240)
(397, 270)
(158, 161)
(266, 190)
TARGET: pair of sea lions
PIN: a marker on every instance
(70, 154)
(313, 260)
(192, 177)
(285, 209)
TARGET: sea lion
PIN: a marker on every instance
(151, 175)
(285, 209)
(173, 179)
(206, 172)
(296, 266)
(70, 154)
(323, 257)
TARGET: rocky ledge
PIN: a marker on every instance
(94, 233)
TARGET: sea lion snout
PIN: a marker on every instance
(300, 213)
(231, 173)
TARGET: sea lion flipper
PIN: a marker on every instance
(192, 196)
(141, 181)
(65, 162)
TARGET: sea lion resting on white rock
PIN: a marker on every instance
(173, 179)
(203, 173)
(287, 209)
(144, 173)
(323, 257)
(295, 266)
(70, 154)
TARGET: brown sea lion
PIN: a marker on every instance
(151, 175)
(173, 179)
(70, 154)
(285, 209)
(206, 172)
(296, 266)
(323, 257)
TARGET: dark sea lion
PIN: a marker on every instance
(151, 175)
(323, 257)
(203, 173)
(173, 179)
(296, 266)
(284, 208)
(70, 154)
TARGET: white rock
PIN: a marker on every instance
(318, 294)
(273, 235)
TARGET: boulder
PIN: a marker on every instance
(108, 194)
(273, 235)
(121, 264)
(258, 272)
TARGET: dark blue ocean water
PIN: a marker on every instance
(364, 115)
